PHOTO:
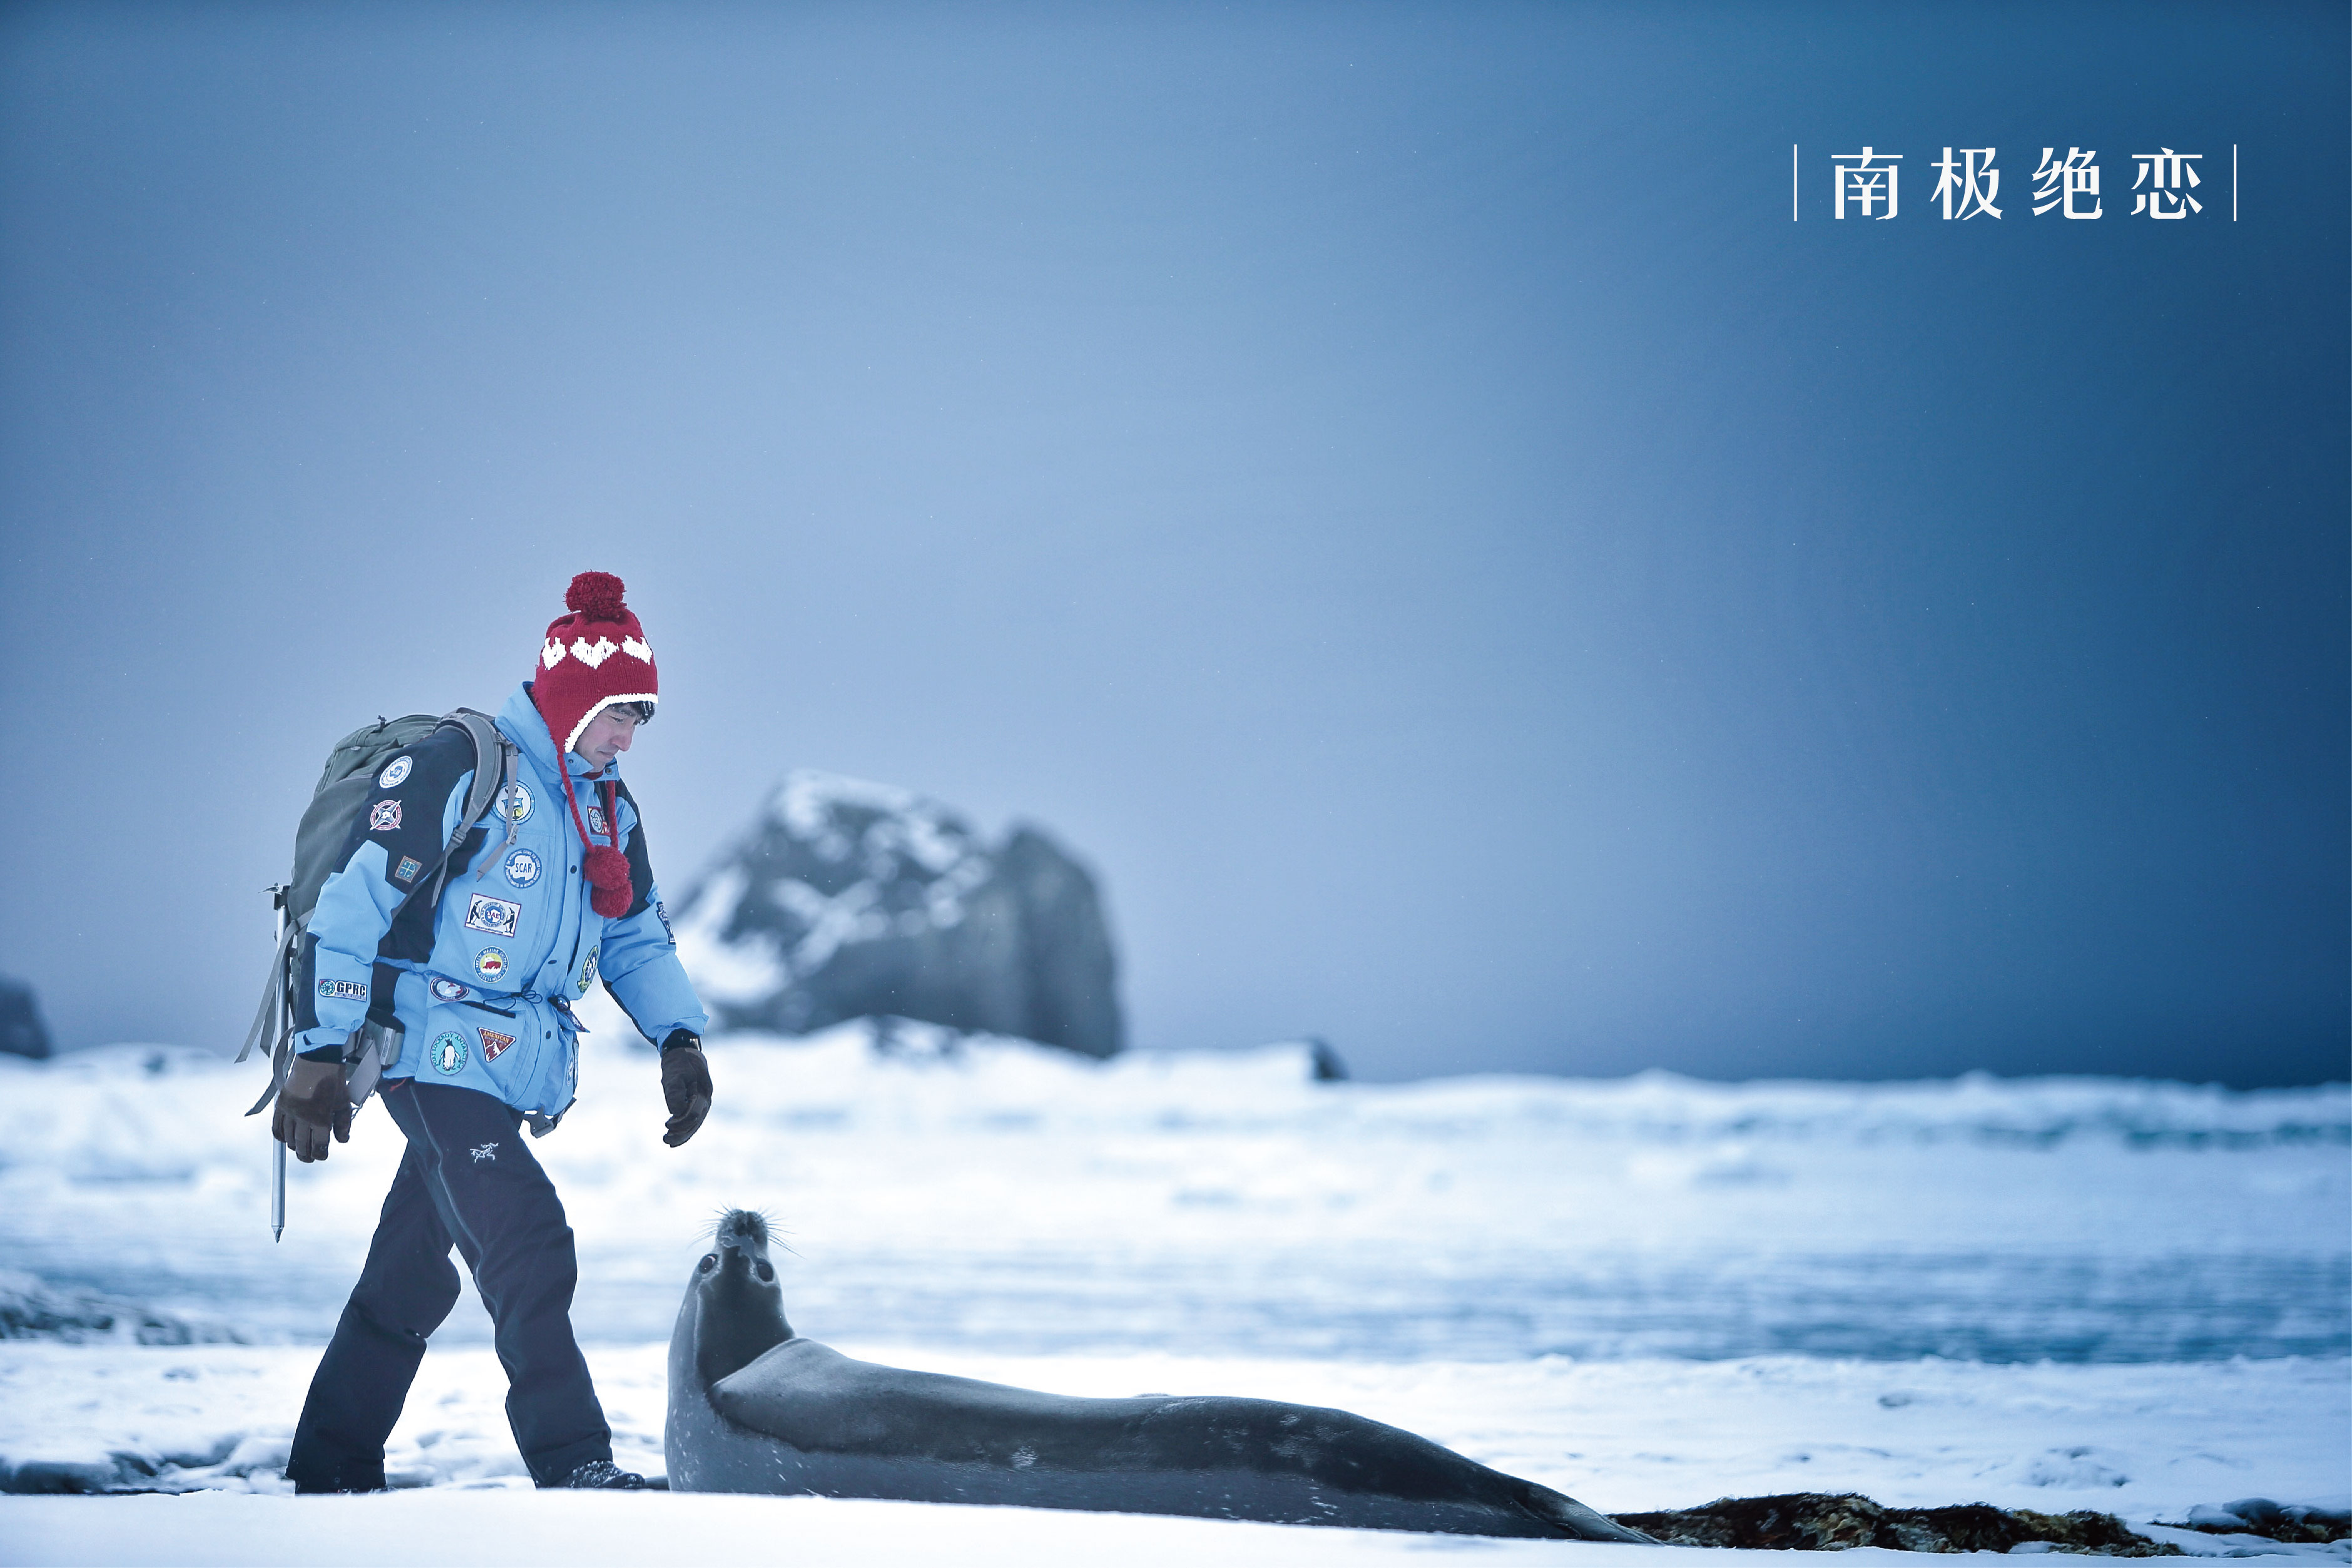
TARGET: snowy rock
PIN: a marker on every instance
(21, 1031)
(2299, 1522)
(849, 900)
(1324, 1065)
(32, 1310)
(1816, 1521)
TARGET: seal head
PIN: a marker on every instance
(736, 1305)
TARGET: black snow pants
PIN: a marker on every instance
(468, 1179)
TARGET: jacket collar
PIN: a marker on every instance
(521, 723)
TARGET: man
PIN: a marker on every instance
(552, 892)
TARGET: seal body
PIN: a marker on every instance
(755, 1408)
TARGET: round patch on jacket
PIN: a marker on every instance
(588, 969)
(490, 963)
(383, 816)
(396, 771)
(523, 868)
(448, 991)
(449, 1053)
(514, 800)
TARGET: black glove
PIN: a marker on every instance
(686, 1086)
(313, 1103)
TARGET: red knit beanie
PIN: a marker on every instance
(594, 657)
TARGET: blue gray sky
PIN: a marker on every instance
(1389, 484)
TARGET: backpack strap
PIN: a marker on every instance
(489, 784)
(273, 991)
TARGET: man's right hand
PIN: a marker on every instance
(686, 1086)
(313, 1104)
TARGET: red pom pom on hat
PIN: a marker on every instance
(597, 596)
(610, 893)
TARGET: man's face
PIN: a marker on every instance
(608, 734)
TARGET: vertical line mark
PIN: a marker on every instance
(2233, 182)
(1792, 181)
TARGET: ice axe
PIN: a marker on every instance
(373, 1047)
(278, 1065)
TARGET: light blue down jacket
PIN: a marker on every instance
(483, 983)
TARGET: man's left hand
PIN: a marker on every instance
(686, 1086)
(312, 1104)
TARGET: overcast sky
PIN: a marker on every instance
(1389, 485)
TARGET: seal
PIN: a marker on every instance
(753, 1407)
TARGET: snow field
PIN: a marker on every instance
(2143, 1442)
(1647, 1293)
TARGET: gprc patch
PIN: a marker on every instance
(383, 816)
(588, 969)
(514, 800)
(496, 916)
(449, 1053)
(493, 1045)
(490, 963)
(596, 821)
(406, 871)
(447, 990)
(394, 775)
(343, 990)
(523, 868)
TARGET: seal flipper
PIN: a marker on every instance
(1574, 1520)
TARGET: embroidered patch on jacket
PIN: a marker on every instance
(588, 969)
(345, 990)
(596, 821)
(408, 867)
(448, 991)
(494, 916)
(523, 868)
(394, 774)
(490, 963)
(514, 801)
(481, 1152)
(383, 816)
(449, 1053)
(494, 1045)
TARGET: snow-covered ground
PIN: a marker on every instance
(1648, 1293)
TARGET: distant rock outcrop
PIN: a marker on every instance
(21, 1033)
(850, 899)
